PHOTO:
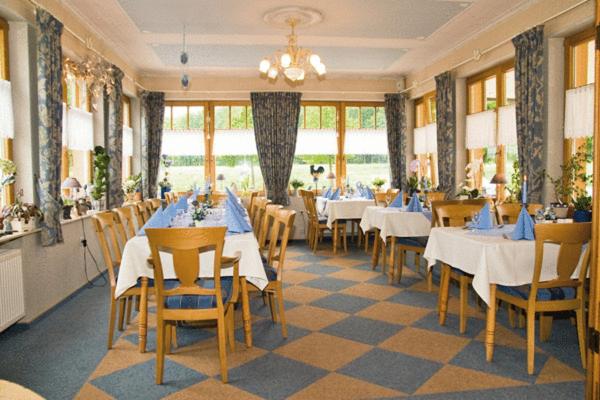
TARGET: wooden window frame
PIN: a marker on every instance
(9, 193)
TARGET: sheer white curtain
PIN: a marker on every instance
(127, 141)
(316, 141)
(366, 141)
(7, 124)
(507, 125)
(234, 142)
(481, 130)
(183, 143)
(425, 139)
(80, 130)
(579, 112)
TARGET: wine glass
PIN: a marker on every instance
(475, 220)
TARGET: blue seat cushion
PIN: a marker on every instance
(198, 302)
(557, 293)
(412, 241)
(271, 272)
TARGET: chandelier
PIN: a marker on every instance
(294, 62)
(95, 71)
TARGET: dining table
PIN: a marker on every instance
(492, 258)
(135, 266)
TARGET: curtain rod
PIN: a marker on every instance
(491, 48)
(85, 43)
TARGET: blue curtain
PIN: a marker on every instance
(275, 117)
(395, 117)
(529, 90)
(446, 133)
(113, 118)
(50, 97)
(153, 109)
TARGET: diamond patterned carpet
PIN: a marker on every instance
(351, 336)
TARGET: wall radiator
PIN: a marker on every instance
(12, 298)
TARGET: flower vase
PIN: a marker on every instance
(197, 223)
(67, 212)
(20, 225)
(164, 190)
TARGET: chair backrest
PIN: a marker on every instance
(126, 217)
(266, 223)
(434, 196)
(456, 214)
(186, 246)
(310, 203)
(156, 204)
(144, 210)
(279, 237)
(392, 194)
(259, 206)
(571, 238)
(105, 225)
(508, 213)
(253, 196)
(437, 204)
(169, 197)
(381, 199)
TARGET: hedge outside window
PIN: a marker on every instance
(425, 116)
(184, 144)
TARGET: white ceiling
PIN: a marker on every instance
(384, 38)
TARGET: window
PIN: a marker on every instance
(487, 93)
(127, 168)
(6, 144)
(316, 144)
(234, 147)
(425, 139)
(580, 67)
(365, 144)
(184, 144)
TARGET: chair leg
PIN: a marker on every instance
(160, 351)
(580, 316)
(464, 297)
(168, 336)
(222, 349)
(444, 291)
(429, 279)
(521, 319)
(129, 304)
(345, 238)
(545, 327)
(111, 320)
(335, 236)
(174, 335)
(272, 307)
(417, 262)
(281, 311)
(230, 318)
(511, 316)
(366, 235)
(530, 340)
(122, 302)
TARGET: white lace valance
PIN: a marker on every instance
(316, 141)
(481, 130)
(7, 122)
(127, 141)
(80, 130)
(579, 112)
(183, 143)
(507, 125)
(366, 141)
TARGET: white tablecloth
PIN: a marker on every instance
(342, 209)
(134, 262)
(490, 259)
(394, 222)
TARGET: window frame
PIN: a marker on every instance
(8, 197)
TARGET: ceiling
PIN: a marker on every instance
(378, 38)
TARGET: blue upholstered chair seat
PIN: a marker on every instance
(198, 302)
(558, 293)
(412, 241)
(270, 271)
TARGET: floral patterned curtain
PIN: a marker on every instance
(395, 117)
(529, 90)
(50, 97)
(276, 128)
(113, 116)
(445, 98)
(153, 109)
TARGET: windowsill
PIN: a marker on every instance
(14, 236)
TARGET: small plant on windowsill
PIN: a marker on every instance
(514, 186)
(468, 189)
(296, 184)
(378, 183)
(583, 208)
(131, 185)
(101, 160)
(22, 216)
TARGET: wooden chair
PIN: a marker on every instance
(126, 216)
(144, 210)
(434, 196)
(283, 223)
(455, 215)
(508, 213)
(156, 204)
(381, 199)
(266, 223)
(560, 294)
(169, 197)
(184, 298)
(253, 196)
(435, 204)
(218, 197)
(259, 207)
(106, 231)
(318, 225)
(308, 231)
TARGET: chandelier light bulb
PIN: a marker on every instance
(272, 74)
(264, 66)
(286, 60)
(321, 70)
(315, 60)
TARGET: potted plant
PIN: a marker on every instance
(514, 186)
(467, 188)
(101, 160)
(583, 208)
(67, 207)
(22, 215)
(296, 184)
(378, 183)
(164, 184)
(199, 214)
(131, 186)
(82, 206)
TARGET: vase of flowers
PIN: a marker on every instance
(131, 186)
(199, 214)
(296, 184)
(378, 183)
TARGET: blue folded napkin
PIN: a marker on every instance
(414, 205)
(369, 194)
(236, 223)
(327, 193)
(485, 219)
(182, 204)
(335, 195)
(170, 212)
(195, 194)
(524, 227)
(398, 201)
(158, 220)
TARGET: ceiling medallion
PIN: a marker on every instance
(293, 61)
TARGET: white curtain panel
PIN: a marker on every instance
(234, 142)
(80, 130)
(316, 141)
(7, 122)
(366, 141)
(507, 125)
(481, 130)
(127, 141)
(420, 140)
(183, 143)
(65, 137)
(431, 132)
(579, 112)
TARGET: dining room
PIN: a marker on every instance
(341, 200)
